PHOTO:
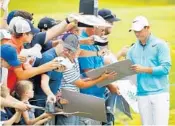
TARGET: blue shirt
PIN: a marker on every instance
(39, 38)
(154, 54)
(55, 77)
(6, 115)
(91, 63)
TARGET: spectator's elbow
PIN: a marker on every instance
(81, 86)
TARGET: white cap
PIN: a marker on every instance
(139, 23)
(12, 23)
(4, 34)
(19, 25)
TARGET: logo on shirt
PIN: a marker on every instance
(154, 45)
(135, 21)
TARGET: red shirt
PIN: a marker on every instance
(12, 78)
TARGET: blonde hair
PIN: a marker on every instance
(4, 91)
(22, 87)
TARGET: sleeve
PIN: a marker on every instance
(86, 62)
(9, 112)
(164, 59)
(3, 116)
(7, 115)
(39, 38)
(129, 55)
(47, 46)
(44, 60)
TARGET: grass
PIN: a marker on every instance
(162, 20)
(124, 120)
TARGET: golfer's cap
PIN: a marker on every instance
(139, 23)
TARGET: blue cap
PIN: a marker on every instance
(10, 16)
(9, 54)
(107, 15)
(46, 23)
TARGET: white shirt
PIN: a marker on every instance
(110, 57)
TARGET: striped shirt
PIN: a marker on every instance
(70, 76)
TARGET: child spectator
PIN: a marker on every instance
(24, 91)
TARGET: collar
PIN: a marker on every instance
(148, 40)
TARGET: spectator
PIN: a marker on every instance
(24, 91)
(46, 23)
(71, 79)
(15, 70)
(89, 63)
(6, 116)
(109, 58)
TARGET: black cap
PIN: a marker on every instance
(46, 23)
(86, 7)
(107, 15)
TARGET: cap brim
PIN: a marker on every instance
(55, 23)
(84, 25)
(14, 63)
(137, 30)
(136, 27)
(114, 19)
(69, 47)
